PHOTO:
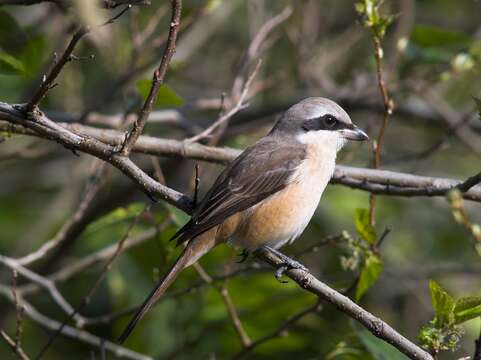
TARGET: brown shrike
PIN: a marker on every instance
(268, 194)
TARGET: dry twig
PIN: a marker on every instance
(157, 81)
(231, 309)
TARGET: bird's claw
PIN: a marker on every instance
(287, 263)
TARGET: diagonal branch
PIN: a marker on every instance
(231, 309)
(280, 331)
(44, 127)
(240, 104)
(48, 81)
(157, 81)
(375, 325)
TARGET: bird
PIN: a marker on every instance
(267, 195)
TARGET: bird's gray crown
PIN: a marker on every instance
(314, 113)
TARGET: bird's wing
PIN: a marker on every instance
(260, 171)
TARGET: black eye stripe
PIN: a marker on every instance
(325, 122)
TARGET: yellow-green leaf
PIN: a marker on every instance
(363, 226)
(370, 273)
(443, 304)
(467, 308)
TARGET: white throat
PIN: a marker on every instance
(329, 142)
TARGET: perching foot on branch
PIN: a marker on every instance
(287, 263)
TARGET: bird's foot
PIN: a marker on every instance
(287, 263)
(243, 256)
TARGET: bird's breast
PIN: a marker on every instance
(282, 217)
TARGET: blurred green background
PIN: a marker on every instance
(432, 53)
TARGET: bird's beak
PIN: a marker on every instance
(354, 133)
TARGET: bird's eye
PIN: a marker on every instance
(330, 121)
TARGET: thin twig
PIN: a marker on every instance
(71, 332)
(157, 81)
(14, 346)
(48, 81)
(470, 182)
(255, 48)
(388, 109)
(91, 190)
(280, 331)
(88, 298)
(231, 309)
(44, 283)
(234, 110)
(78, 266)
(196, 185)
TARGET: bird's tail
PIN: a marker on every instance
(192, 252)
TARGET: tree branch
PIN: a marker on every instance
(44, 283)
(46, 128)
(71, 332)
(382, 182)
(375, 325)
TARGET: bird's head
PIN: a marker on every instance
(318, 120)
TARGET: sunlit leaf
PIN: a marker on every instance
(467, 308)
(443, 304)
(370, 273)
(363, 226)
(166, 98)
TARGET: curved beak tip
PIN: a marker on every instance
(355, 134)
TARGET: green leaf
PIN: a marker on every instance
(9, 65)
(430, 36)
(369, 274)
(378, 348)
(363, 226)
(467, 308)
(166, 98)
(443, 305)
